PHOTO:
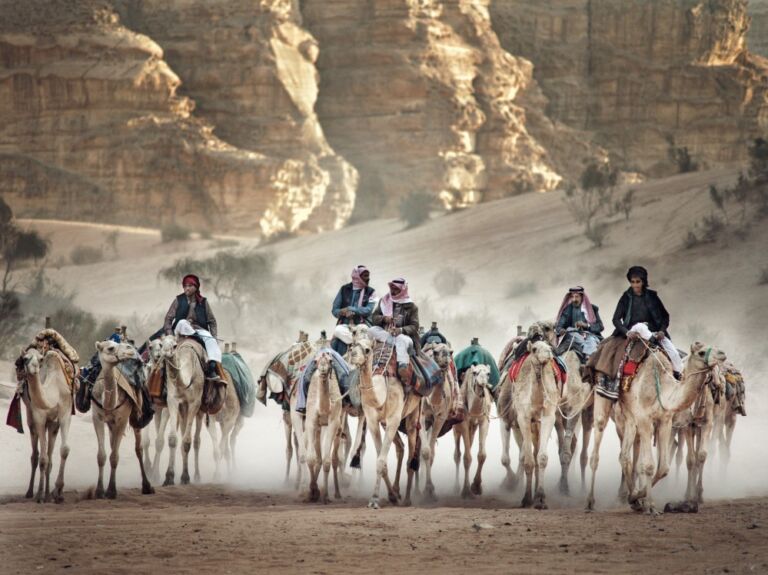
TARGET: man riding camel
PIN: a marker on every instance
(190, 314)
(352, 306)
(578, 324)
(398, 317)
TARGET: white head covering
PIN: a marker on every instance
(184, 328)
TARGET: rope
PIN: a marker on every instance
(578, 411)
(658, 386)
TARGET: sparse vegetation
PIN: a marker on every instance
(625, 204)
(17, 245)
(449, 281)
(415, 208)
(682, 158)
(174, 233)
(224, 243)
(84, 255)
(520, 288)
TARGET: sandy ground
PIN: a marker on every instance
(197, 529)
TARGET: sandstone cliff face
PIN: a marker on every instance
(757, 37)
(420, 96)
(645, 76)
(92, 127)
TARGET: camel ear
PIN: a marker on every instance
(696, 345)
(99, 345)
(529, 346)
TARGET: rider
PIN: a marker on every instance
(578, 324)
(397, 316)
(353, 305)
(199, 320)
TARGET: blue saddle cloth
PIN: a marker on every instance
(340, 368)
(243, 381)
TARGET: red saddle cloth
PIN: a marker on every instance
(14, 414)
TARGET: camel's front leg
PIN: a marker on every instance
(510, 481)
(146, 440)
(457, 437)
(58, 492)
(329, 447)
(146, 487)
(703, 452)
(526, 453)
(101, 454)
(477, 484)
(160, 428)
(413, 458)
(173, 438)
(336, 460)
(186, 441)
(627, 461)
(428, 445)
(645, 468)
(587, 421)
(35, 458)
(287, 428)
(664, 442)
(381, 461)
(312, 457)
(298, 422)
(43, 460)
(213, 431)
(565, 436)
(46, 472)
(468, 436)
(116, 433)
(400, 455)
(690, 462)
(602, 410)
(545, 430)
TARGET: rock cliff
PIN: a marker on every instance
(757, 37)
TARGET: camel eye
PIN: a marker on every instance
(701, 354)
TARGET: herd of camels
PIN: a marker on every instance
(657, 413)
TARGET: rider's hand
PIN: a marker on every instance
(633, 335)
(659, 335)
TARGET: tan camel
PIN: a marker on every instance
(726, 415)
(435, 409)
(112, 407)
(645, 414)
(531, 408)
(160, 418)
(322, 428)
(574, 412)
(186, 379)
(386, 404)
(48, 400)
(478, 402)
(229, 421)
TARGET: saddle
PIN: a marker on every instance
(422, 374)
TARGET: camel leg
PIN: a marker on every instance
(174, 418)
(298, 423)
(161, 426)
(213, 431)
(413, 458)
(116, 433)
(518, 435)
(428, 455)
(645, 468)
(101, 454)
(627, 461)
(146, 487)
(35, 458)
(146, 440)
(602, 410)
(527, 455)
(186, 442)
(337, 458)
(329, 443)
(42, 433)
(457, 437)
(477, 484)
(510, 481)
(468, 436)
(227, 426)
(690, 463)
(288, 445)
(344, 448)
(239, 422)
(381, 462)
(545, 431)
(587, 421)
(400, 453)
(196, 444)
(58, 492)
(663, 442)
(312, 457)
(566, 440)
(730, 426)
(358, 446)
(299, 465)
(703, 452)
(53, 432)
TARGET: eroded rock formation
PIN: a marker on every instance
(92, 127)
(645, 77)
(757, 37)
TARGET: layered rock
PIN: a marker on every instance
(420, 97)
(92, 127)
(645, 77)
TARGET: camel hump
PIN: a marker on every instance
(59, 343)
(195, 345)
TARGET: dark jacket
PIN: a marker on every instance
(658, 319)
(409, 323)
(566, 320)
(203, 318)
(344, 300)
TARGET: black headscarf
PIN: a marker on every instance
(638, 272)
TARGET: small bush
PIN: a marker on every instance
(415, 208)
(597, 233)
(683, 160)
(111, 241)
(85, 255)
(711, 228)
(691, 240)
(763, 279)
(625, 204)
(518, 289)
(449, 281)
(174, 232)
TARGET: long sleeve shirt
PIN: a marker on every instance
(212, 326)
(363, 311)
(572, 314)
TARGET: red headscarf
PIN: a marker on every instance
(194, 280)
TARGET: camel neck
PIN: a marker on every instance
(36, 392)
(683, 394)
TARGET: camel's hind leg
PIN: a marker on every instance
(587, 421)
(146, 441)
(510, 480)
(239, 423)
(161, 426)
(53, 433)
(213, 431)
(58, 492)
(602, 410)
(116, 433)
(146, 487)
(101, 454)
(35, 458)
(457, 437)
(413, 458)
(288, 445)
(468, 436)
(400, 453)
(477, 483)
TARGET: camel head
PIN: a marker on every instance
(359, 332)
(109, 351)
(360, 351)
(155, 350)
(543, 331)
(323, 363)
(481, 375)
(540, 351)
(167, 346)
(32, 358)
(705, 357)
(442, 354)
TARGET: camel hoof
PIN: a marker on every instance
(373, 503)
(111, 494)
(58, 499)
(99, 493)
(185, 478)
(564, 489)
(429, 496)
(476, 488)
(682, 507)
(540, 504)
(527, 502)
(466, 493)
(590, 504)
(337, 495)
(394, 498)
(29, 494)
(407, 502)
(197, 478)
(147, 489)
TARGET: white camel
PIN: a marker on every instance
(48, 400)
(229, 420)
(322, 428)
(386, 404)
(644, 414)
(112, 407)
(160, 417)
(478, 402)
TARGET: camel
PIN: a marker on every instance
(644, 413)
(386, 404)
(48, 400)
(436, 408)
(322, 428)
(478, 404)
(112, 407)
(726, 414)
(160, 418)
(574, 411)
(230, 421)
(185, 395)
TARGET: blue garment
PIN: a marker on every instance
(363, 311)
(340, 367)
